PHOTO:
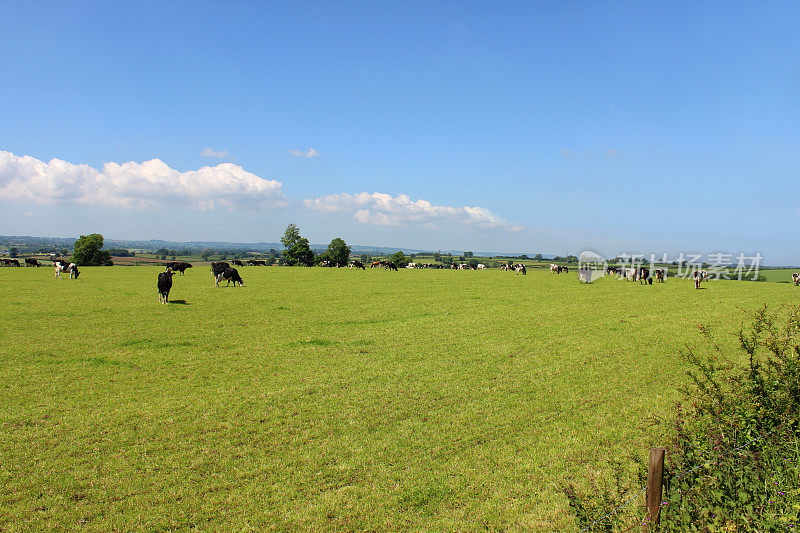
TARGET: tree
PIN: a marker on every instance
(338, 252)
(399, 259)
(366, 259)
(297, 250)
(437, 256)
(538, 257)
(468, 254)
(88, 251)
(13, 252)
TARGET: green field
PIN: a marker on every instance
(334, 399)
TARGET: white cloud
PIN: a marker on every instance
(308, 154)
(386, 210)
(566, 152)
(208, 152)
(135, 185)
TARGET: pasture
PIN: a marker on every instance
(334, 399)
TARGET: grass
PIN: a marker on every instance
(333, 399)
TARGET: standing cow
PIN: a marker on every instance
(164, 285)
(30, 261)
(796, 279)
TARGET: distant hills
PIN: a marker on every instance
(24, 242)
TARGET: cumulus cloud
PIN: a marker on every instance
(208, 152)
(151, 184)
(387, 210)
(308, 154)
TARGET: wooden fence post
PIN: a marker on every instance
(655, 478)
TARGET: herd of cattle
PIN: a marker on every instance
(223, 271)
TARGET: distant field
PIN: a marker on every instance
(334, 399)
(779, 275)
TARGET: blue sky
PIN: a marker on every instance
(536, 127)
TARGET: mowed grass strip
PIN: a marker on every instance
(332, 398)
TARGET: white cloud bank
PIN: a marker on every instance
(385, 210)
(308, 154)
(151, 184)
(209, 152)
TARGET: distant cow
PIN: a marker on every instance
(30, 261)
(237, 263)
(661, 274)
(229, 274)
(643, 276)
(796, 279)
(554, 268)
(70, 268)
(697, 277)
(481, 266)
(12, 262)
(520, 269)
(357, 264)
(390, 266)
(164, 285)
(178, 266)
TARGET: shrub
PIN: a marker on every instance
(734, 461)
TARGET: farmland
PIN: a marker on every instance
(334, 399)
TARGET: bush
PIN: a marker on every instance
(734, 461)
(739, 443)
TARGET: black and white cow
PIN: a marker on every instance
(796, 279)
(30, 261)
(164, 285)
(236, 262)
(229, 274)
(357, 264)
(63, 266)
(520, 269)
(661, 274)
(218, 268)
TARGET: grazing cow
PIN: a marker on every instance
(390, 266)
(12, 262)
(643, 276)
(71, 268)
(178, 266)
(481, 266)
(30, 261)
(229, 274)
(554, 268)
(357, 264)
(796, 279)
(520, 269)
(612, 271)
(585, 275)
(237, 263)
(661, 274)
(164, 285)
(630, 274)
